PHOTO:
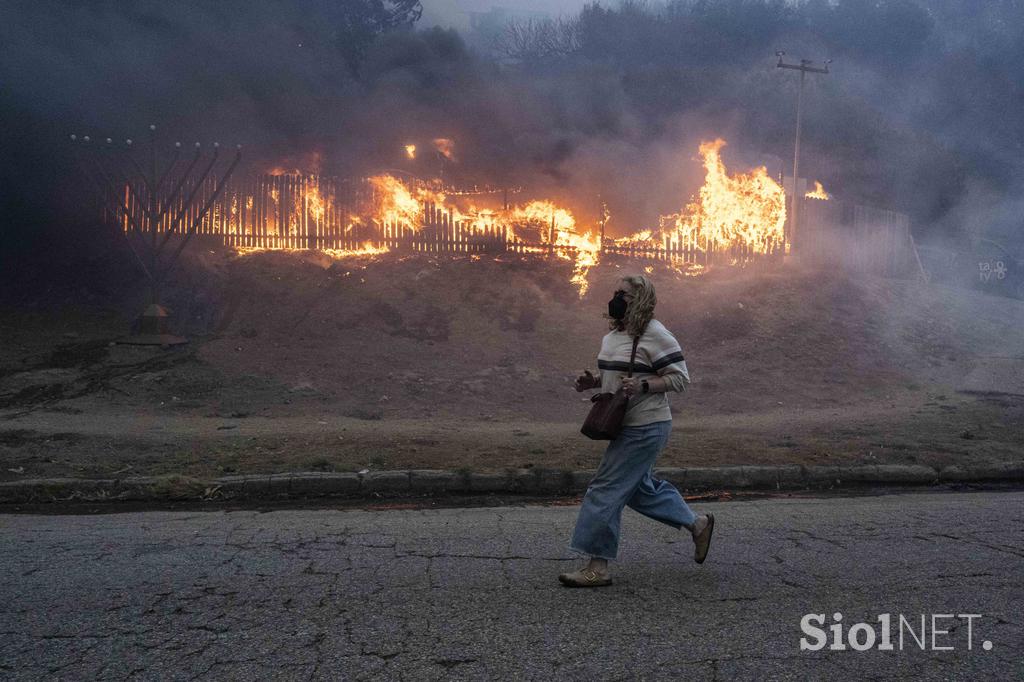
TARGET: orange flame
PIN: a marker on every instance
(367, 249)
(818, 193)
(747, 209)
(315, 204)
(396, 205)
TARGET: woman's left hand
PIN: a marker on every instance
(631, 385)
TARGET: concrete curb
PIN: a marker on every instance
(537, 481)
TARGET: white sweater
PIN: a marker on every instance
(657, 354)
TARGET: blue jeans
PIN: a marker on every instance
(624, 478)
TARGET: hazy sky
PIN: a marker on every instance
(454, 12)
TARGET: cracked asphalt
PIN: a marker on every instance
(473, 594)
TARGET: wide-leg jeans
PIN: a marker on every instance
(624, 479)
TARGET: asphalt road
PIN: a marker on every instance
(473, 594)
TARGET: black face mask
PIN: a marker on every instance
(617, 306)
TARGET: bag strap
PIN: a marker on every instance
(632, 356)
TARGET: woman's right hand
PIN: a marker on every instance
(586, 381)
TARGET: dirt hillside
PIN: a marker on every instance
(426, 361)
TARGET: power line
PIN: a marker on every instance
(804, 67)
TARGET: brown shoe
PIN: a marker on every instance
(702, 541)
(585, 577)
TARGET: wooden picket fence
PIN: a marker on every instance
(856, 237)
(313, 212)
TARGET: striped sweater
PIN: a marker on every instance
(657, 354)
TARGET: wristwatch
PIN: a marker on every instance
(647, 386)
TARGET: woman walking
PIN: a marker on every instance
(624, 476)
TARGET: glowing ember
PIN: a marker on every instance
(818, 192)
(367, 249)
(410, 151)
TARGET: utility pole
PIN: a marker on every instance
(804, 67)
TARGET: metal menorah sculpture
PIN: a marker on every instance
(154, 202)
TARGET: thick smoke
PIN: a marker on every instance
(920, 113)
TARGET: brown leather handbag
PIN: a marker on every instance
(609, 409)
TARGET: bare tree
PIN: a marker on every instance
(537, 39)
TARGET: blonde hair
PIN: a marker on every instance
(640, 310)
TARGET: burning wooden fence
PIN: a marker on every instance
(314, 212)
(271, 212)
(698, 252)
(327, 213)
